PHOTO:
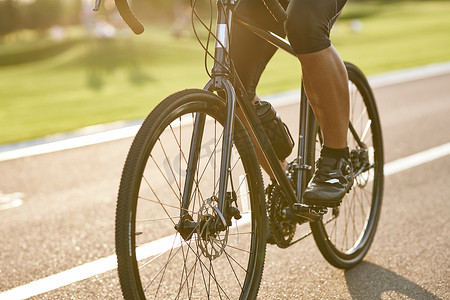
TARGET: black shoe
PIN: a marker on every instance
(332, 179)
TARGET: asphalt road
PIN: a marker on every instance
(67, 216)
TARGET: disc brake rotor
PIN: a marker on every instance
(212, 242)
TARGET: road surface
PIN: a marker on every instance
(66, 219)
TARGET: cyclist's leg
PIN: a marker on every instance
(325, 80)
(326, 84)
(250, 53)
(324, 74)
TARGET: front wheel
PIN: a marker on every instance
(346, 233)
(155, 259)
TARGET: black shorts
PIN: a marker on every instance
(307, 27)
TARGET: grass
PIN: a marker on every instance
(86, 82)
(94, 82)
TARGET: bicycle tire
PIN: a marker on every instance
(229, 265)
(345, 235)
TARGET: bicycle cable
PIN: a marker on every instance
(206, 46)
(231, 69)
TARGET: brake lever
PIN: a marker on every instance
(126, 13)
(97, 5)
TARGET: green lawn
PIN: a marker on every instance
(48, 87)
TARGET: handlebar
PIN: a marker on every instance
(128, 16)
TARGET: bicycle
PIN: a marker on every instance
(192, 217)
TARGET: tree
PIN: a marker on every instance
(9, 17)
(45, 13)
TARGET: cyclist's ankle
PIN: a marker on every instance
(335, 153)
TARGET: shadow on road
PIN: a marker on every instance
(369, 281)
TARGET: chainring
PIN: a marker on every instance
(282, 229)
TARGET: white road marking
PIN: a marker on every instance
(416, 159)
(100, 266)
(70, 143)
(86, 271)
(416, 73)
(375, 81)
(53, 282)
(157, 247)
(278, 100)
(8, 201)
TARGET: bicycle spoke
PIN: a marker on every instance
(240, 233)
(159, 219)
(164, 268)
(154, 258)
(229, 256)
(249, 252)
(163, 205)
(166, 179)
(193, 279)
(182, 282)
(160, 203)
(232, 269)
(219, 287)
(170, 166)
(210, 157)
(209, 271)
(178, 141)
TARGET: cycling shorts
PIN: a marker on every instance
(307, 27)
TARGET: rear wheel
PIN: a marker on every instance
(346, 233)
(154, 260)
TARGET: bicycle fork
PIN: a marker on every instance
(219, 82)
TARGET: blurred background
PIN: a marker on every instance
(63, 66)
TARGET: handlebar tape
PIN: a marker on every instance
(276, 10)
(129, 17)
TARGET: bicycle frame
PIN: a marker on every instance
(223, 226)
(220, 82)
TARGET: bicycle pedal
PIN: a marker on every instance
(313, 209)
